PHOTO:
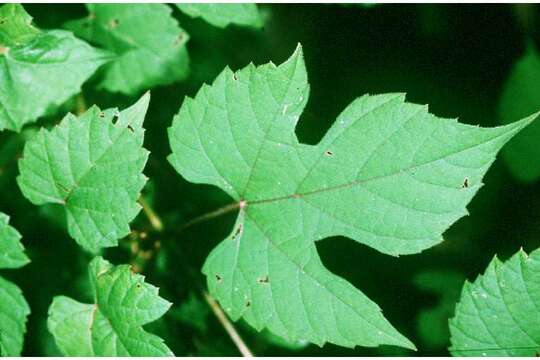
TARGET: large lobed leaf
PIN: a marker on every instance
(499, 313)
(521, 96)
(39, 69)
(387, 174)
(150, 46)
(112, 326)
(223, 15)
(92, 165)
(13, 307)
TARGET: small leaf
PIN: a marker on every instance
(150, 46)
(93, 166)
(14, 311)
(499, 313)
(11, 250)
(521, 96)
(13, 308)
(223, 15)
(38, 69)
(112, 326)
(387, 174)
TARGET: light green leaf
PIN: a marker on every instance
(39, 69)
(15, 26)
(223, 15)
(499, 313)
(13, 308)
(92, 165)
(150, 45)
(11, 250)
(521, 96)
(387, 174)
(13, 314)
(112, 326)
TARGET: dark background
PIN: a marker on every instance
(455, 58)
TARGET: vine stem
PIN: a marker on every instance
(154, 219)
(157, 224)
(229, 328)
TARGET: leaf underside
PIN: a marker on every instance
(223, 15)
(149, 44)
(499, 313)
(387, 174)
(91, 164)
(112, 326)
(39, 70)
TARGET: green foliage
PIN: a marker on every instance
(112, 326)
(13, 307)
(498, 314)
(149, 44)
(520, 97)
(92, 165)
(223, 15)
(324, 184)
(413, 173)
(44, 68)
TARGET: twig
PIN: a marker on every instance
(242, 347)
(154, 219)
(213, 214)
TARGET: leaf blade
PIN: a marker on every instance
(93, 166)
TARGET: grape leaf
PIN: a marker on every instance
(150, 45)
(112, 326)
(521, 96)
(13, 307)
(499, 313)
(92, 165)
(223, 15)
(41, 68)
(11, 250)
(387, 174)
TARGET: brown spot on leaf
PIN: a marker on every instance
(248, 303)
(235, 76)
(263, 280)
(101, 115)
(114, 23)
(179, 39)
(218, 278)
(328, 153)
(238, 231)
(465, 183)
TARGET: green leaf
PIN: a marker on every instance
(521, 96)
(112, 326)
(387, 174)
(15, 26)
(223, 15)
(39, 69)
(11, 250)
(499, 313)
(150, 46)
(14, 311)
(13, 308)
(92, 165)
